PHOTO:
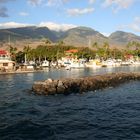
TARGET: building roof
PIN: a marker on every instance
(2, 52)
(72, 51)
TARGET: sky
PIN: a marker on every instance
(105, 16)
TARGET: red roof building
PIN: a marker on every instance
(5, 61)
(72, 51)
(3, 52)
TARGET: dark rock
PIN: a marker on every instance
(80, 85)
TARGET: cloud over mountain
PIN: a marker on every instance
(56, 26)
(13, 25)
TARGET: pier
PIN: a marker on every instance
(80, 85)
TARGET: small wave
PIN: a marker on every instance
(26, 129)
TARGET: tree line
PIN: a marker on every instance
(52, 52)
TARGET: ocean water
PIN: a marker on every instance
(109, 114)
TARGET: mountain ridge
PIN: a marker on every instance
(79, 36)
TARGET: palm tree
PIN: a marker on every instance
(135, 47)
(106, 47)
(129, 45)
(61, 43)
(13, 52)
(19, 57)
(95, 45)
(32, 55)
(47, 41)
(26, 51)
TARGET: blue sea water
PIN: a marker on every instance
(109, 114)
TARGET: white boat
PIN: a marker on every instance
(78, 63)
(45, 63)
(54, 64)
(111, 63)
(93, 64)
(125, 63)
(68, 67)
(30, 67)
(137, 63)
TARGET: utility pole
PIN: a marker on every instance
(25, 59)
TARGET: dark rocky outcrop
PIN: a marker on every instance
(80, 85)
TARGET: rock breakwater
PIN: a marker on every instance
(80, 85)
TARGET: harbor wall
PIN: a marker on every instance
(84, 84)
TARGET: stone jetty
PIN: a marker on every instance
(80, 85)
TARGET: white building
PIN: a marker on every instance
(6, 64)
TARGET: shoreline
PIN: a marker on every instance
(19, 72)
(44, 70)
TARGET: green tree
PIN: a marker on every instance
(95, 45)
(13, 51)
(106, 50)
(20, 57)
(26, 51)
(47, 41)
(60, 43)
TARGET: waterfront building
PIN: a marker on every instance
(6, 64)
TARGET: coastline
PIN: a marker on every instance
(20, 72)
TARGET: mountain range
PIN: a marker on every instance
(78, 36)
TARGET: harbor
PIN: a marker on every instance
(69, 70)
(69, 59)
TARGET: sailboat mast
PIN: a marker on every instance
(9, 40)
(89, 45)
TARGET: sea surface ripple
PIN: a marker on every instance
(109, 114)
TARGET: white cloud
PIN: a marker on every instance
(57, 27)
(23, 14)
(35, 2)
(53, 2)
(56, 2)
(91, 1)
(3, 12)
(105, 34)
(118, 4)
(4, 1)
(76, 11)
(13, 25)
(134, 26)
(3, 9)
(50, 25)
(137, 20)
(61, 2)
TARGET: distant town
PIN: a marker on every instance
(50, 55)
